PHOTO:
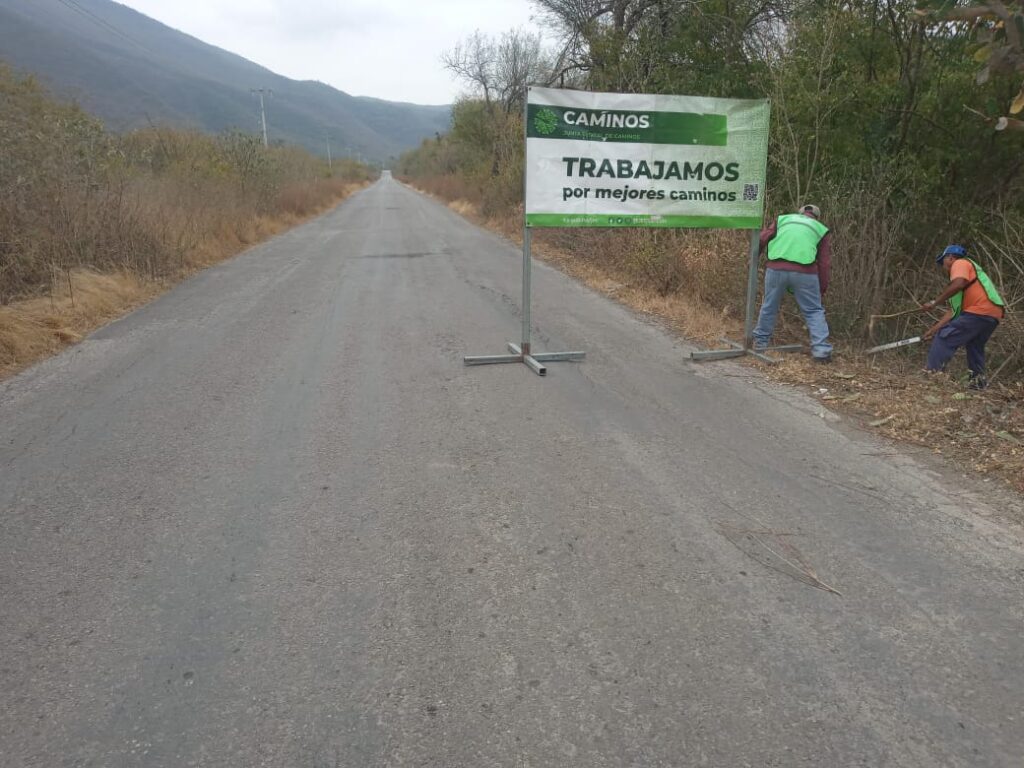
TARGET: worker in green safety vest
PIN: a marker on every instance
(975, 309)
(799, 261)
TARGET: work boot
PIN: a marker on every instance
(978, 383)
(824, 360)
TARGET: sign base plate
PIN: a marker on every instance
(740, 350)
(520, 353)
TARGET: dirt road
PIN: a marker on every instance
(271, 520)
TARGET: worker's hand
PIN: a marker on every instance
(927, 306)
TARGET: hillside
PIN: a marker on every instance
(131, 70)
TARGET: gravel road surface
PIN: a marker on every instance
(270, 519)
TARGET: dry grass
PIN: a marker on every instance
(93, 223)
(463, 208)
(694, 319)
(81, 300)
(982, 432)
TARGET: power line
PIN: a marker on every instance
(103, 23)
(100, 22)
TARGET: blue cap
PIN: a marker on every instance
(951, 250)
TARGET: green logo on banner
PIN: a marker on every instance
(628, 126)
(545, 121)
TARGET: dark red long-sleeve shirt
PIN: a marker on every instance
(822, 266)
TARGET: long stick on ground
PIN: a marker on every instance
(895, 314)
(873, 318)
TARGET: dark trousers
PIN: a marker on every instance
(967, 330)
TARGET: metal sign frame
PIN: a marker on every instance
(523, 353)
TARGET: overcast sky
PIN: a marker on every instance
(384, 48)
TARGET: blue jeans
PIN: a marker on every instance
(967, 330)
(807, 292)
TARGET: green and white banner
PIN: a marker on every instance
(633, 160)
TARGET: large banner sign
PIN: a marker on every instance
(631, 160)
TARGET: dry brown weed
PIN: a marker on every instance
(82, 300)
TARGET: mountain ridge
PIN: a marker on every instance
(131, 70)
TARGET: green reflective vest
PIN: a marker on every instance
(956, 302)
(796, 239)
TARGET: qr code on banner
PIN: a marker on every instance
(751, 191)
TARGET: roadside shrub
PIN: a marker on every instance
(74, 196)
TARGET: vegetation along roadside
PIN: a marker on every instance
(898, 121)
(94, 223)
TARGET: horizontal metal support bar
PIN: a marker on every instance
(534, 362)
(778, 348)
(728, 354)
(555, 357)
(717, 354)
(739, 350)
(490, 359)
(534, 366)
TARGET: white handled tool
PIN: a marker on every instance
(895, 345)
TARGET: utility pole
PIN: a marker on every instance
(330, 165)
(263, 111)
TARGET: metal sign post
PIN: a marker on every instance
(747, 347)
(522, 353)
